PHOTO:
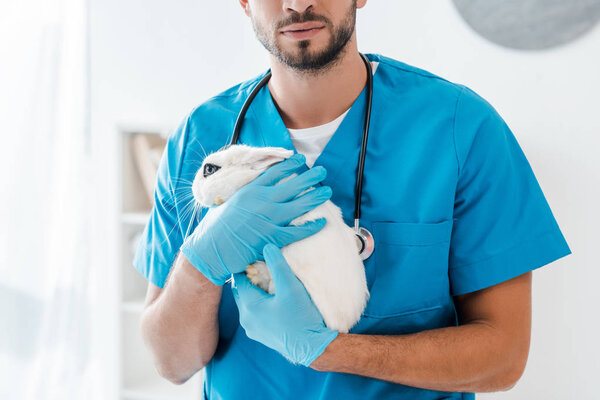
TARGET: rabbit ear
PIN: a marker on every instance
(263, 157)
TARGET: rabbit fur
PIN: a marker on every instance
(327, 262)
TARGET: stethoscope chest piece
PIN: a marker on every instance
(365, 243)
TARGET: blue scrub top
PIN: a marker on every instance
(448, 194)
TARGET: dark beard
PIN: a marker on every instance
(305, 61)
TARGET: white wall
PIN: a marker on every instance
(152, 61)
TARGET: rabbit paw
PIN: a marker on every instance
(258, 273)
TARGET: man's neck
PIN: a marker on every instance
(305, 100)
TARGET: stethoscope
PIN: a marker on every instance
(365, 241)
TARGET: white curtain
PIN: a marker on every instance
(45, 328)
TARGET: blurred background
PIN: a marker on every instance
(89, 90)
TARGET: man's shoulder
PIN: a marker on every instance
(433, 89)
(407, 75)
(228, 101)
(210, 123)
(408, 68)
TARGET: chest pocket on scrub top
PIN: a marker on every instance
(411, 267)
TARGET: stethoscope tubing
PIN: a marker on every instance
(367, 242)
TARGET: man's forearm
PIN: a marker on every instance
(181, 326)
(467, 358)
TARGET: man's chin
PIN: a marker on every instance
(302, 56)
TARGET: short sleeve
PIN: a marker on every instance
(162, 235)
(502, 224)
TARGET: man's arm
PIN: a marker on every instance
(180, 322)
(487, 352)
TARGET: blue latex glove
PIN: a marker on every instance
(231, 236)
(287, 321)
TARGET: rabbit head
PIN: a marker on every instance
(225, 171)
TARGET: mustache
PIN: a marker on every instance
(297, 18)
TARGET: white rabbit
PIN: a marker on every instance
(327, 262)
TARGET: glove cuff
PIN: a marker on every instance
(202, 266)
(328, 336)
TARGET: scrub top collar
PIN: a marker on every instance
(340, 155)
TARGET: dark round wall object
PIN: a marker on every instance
(530, 24)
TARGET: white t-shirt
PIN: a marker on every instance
(312, 141)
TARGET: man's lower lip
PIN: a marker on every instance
(305, 34)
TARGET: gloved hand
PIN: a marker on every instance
(287, 321)
(231, 236)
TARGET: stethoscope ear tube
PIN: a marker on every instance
(242, 114)
(363, 147)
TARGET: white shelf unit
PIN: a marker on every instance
(137, 376)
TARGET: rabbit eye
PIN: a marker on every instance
(210, 169)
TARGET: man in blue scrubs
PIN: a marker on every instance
(458, 217)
